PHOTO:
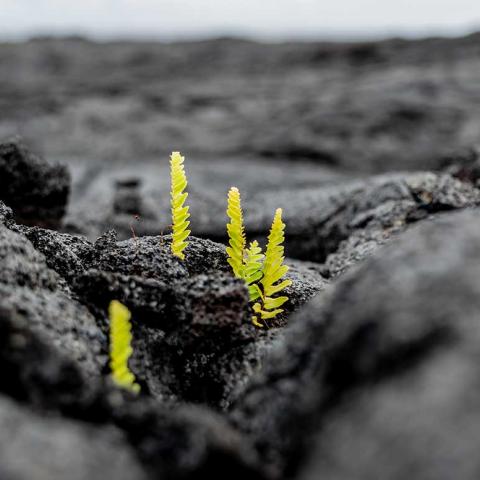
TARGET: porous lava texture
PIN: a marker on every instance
(371, 371)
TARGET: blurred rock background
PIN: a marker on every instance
(267, 117)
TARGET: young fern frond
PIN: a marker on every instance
(273, 271)
(120, 346)
(252, 271)
(236, 233)
(180, 213)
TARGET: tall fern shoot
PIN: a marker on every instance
(180, 213)
(273, 271)
(236, 233)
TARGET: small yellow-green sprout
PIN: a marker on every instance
(120, 346)
(180, 213)
(273, 271)
(252, 271)
(236, 233)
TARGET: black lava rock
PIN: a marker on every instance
(36, 191)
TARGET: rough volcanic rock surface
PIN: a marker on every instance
(378, 208)
(53, 354)
(64, 253)
(194, 338)
(51, 344)
(371, 371)
(36, 191)
(376, 214)
(401, 369)
(6, 214)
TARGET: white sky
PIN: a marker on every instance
(274, 19)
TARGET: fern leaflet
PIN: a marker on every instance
(252, 272)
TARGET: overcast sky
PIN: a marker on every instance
(274, 19)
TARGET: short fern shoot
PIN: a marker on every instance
(120, 346)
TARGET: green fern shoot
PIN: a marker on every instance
(273, 271)
(236, 233)
(180, 213)
(120, 346)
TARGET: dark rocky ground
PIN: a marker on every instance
(370, 149)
